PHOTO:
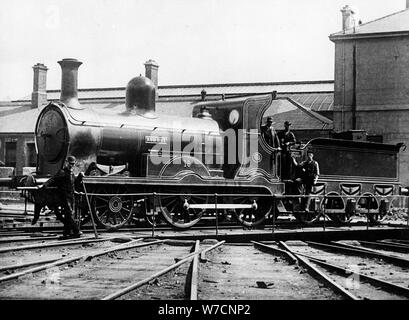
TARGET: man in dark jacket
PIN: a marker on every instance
(311, 174)
(287, 139)
(271, 138)
(269, 134)
(64, 181)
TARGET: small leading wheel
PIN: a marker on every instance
(251, 217)
(177, 211)
(112, 208)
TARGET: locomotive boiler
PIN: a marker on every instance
(216, 162)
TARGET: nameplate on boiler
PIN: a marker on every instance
(156, 139)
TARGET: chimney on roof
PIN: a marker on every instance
(203, 94)
(348, 17)
(69, 82)
(151, 71)
(39, 95)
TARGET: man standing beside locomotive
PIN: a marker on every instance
(64, 181)
(287, 139)
(311, 172)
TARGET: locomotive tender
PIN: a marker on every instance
(217, 160)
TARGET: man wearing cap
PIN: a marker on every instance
(269, 134)
(311, 172)
(64, 181)
(271, 138)
(287, 139)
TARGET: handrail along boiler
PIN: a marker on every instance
(129, 155)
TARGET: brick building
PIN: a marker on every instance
(371, 80)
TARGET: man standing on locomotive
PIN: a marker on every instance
(287, 139)
(269, 134)
(311, 172)
(270, 137)
(64, 180)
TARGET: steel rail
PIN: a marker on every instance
(321, 276)
(400, 241)
(389, 286)
(385, 246)
(11, 234)
(194, 274)
(394, 242)
(284, 253)
(360, 252)
(28, 239)
(203, 253)
(53, 244)
(124, 246)
(391, 257)
(27, 264)
(156, 275)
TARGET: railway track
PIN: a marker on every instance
(129, 268)
(102, 273)
(356, 272)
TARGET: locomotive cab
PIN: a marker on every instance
(247, 153)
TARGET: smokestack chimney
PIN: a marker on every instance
(407, 4)
(151, 71)
(39, 95)
(348, 18)
(69, 83)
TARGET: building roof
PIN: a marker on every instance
(393, 24)
(301, 118)
(312, 96)
(314, 101)
(315, 95)
(18, 118)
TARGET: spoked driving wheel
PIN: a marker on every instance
(256, 212)
(181, 210)
(112, 208)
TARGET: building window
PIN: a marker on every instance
(31, 159)
(11, 154)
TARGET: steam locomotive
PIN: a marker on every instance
(139, 162)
